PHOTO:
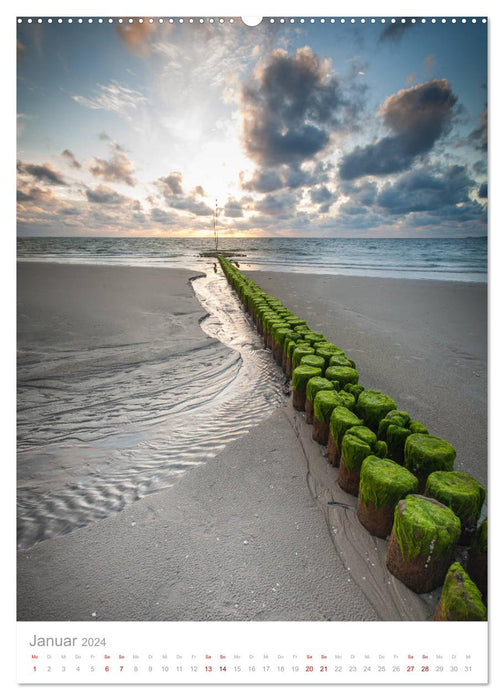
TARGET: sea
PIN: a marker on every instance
(100, 427)
(448, 259)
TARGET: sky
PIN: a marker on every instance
(286, 129)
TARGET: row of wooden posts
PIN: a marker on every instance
(402, 476)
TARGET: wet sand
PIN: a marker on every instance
(424, 343)
(249, 535)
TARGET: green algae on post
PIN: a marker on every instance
(313, 361)
(298, 353)
(324, 404)
(422, 544)
(462, 493)
(300, 378)
(460, 598)
(477, 563)
(383, 483)
(343, 375)
(358, 443)
(372, 406)
(341, 420)
(315, 384)
(424, 454)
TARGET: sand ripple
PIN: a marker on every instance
(135, 420)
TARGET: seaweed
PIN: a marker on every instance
(302, 375)
(460, 597)
(384, 482)
(423, 526)
(463, 494)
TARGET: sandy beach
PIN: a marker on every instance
(245, 534)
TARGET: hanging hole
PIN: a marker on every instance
(251, 21)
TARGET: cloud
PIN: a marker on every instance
(287, 176)
(118, 169)
(289, 108)
(417, 117)
(394, 32)
(137, 36)
(363, 192)
(72, 160)
(233, 209)
(191, 205)
(422, 190)
(45, 172)
(105, 195)
(171, 184)
(20, 50)
(263, 181)
(483, 191)
(114, 97)
(172, 191)
(479, 137)
(34, 194)
(281, 205)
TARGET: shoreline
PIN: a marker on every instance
(171, 563)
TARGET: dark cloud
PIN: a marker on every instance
(320, 195)
(417, 118)
(105, 195)
(70, 211)
(479, 137)
(483, 191)
(45, 172)
(423, 190)
(281, 205)
(233, 209)
(160, 216)
(287, 176)
(394, 32)
(117, 169)
(191, 205)
(364, 192)
(172, 191)
(33, 194)
(72, 160)
(289, 108)
(171, 184)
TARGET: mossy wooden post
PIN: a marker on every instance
(324, 404)
(300, 378)
(279, 338)
(298, 352)
(424, 454)
(460, 598)
(477, 563)
(357, 444)
(342, 375)
(339, 359)
(383, 483)
(341, 420)
(325, 350)
(372, 406)
(394, 430)
(421, 547)
(315, 384)
(313, 361)
(290, 342)
(463, 494)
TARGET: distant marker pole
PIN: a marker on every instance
(216, 239)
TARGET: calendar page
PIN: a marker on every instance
(251, 347)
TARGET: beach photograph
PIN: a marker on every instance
(252, 319)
